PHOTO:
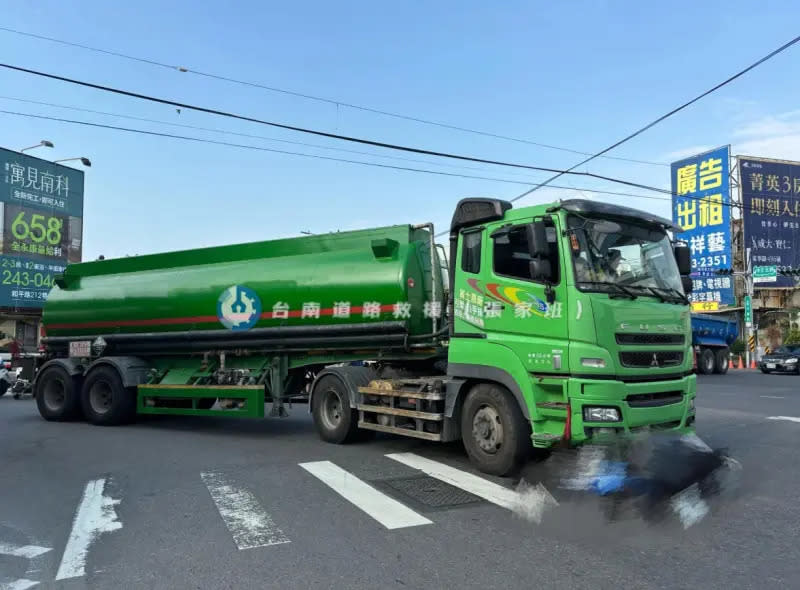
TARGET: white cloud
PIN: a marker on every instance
(766, 136)
(684, 153)
(772, 136)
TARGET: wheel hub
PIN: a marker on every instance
(100, 397)
(332, 409)
(487, 429)
(54, 395)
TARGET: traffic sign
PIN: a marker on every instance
(748, 311)
(705, 305)
(765, 274)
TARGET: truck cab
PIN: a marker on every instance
(577, 310)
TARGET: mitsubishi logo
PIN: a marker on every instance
(654, 362)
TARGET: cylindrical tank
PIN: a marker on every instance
(333, 279)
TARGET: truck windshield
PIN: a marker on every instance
(608, 255)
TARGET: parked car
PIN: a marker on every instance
(785, 359)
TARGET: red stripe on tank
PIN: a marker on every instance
(207, 319)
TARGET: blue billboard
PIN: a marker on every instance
(701, 206)
(770, 191)
(41, 226)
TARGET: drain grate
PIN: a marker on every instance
(431, 491)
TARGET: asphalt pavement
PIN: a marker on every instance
(178, 502)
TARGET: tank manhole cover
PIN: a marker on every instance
(431, 491)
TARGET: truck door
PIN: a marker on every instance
(530, 314)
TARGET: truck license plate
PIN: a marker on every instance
(80, 349)
(770, 365)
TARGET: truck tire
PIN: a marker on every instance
(706, 362)
(496, 435)
(58, 395)
(334, 420)
(105, 400)
(721, 361)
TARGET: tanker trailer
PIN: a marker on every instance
(506, 347)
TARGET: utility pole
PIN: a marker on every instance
(748, 283)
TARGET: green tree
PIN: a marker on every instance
(793, 337)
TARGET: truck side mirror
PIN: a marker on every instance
(687, 283)
(541, 270)
(537, 240)
(683, 257)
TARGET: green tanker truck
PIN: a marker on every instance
(550, 325)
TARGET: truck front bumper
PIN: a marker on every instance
(654, 405)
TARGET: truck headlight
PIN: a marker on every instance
(591, 414)
(593, 363)
(790, 361)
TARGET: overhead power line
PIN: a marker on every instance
(359, 162)
(332, 101)
(677, 109)
(322, 133)
(291, 153)
(254, 136)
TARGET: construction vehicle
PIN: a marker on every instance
(712, 337)
(524, 339)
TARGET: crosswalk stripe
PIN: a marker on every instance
(387, 511)
(29, 551)
(250, 525)
(496, 494)
(95, 515)
(21, 584)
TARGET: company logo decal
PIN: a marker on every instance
(238, 308)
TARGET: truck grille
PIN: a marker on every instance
(646, 339)
(654, 400)
(660, 358)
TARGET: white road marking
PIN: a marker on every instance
(20, 584)
(95, 515)
(28, 551)
(244, 516)
(516, 501)
(689, 506)
(387, 511)
(696, 442)
(772, 396)
(787, 418)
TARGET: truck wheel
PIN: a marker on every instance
(721, 361)
(495, 433)
(706, 362)
(333, 418)
(105, 400)
(57, 395)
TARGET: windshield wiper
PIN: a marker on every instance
(655, 292)
(621, 290)
(681, 297)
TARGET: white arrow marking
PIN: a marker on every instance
(95, 515)
(21, 584)
(28, 551)
(786, 418)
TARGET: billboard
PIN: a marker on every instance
(770, 191)
(701, 206)
(41, 224)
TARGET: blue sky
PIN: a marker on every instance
(574, 74)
